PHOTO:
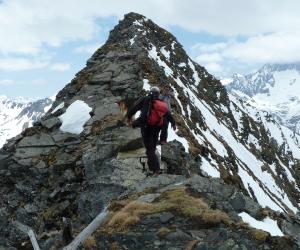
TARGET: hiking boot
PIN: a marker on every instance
(157, 172)
(162, 142)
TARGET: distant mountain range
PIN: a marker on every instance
(17, 114)
(274, 88)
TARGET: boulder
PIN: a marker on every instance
(242, 203)
(292, 229)
(37, 140)
(177, 160)
(51, 123)
(27, 152)
(101, 78)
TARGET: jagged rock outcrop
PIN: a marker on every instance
(48, 173)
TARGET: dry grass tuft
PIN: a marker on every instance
(114, 246)
(90, 243)
(164, 231)
(191, 245)
(215, 217)
(128, 215)
(180, 202)
(259, 235)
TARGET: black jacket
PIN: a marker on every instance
(143, 105)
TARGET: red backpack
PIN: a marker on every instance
(157, 111)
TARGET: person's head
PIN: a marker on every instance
(154, 91)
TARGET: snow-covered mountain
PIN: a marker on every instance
(274, 88)
(55, 171)
(17, 114)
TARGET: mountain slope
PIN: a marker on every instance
(18, 114)
(80, 156)
(274, 88)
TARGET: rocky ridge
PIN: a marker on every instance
(49, 174)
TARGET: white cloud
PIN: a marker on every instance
(88, 49)
(6, 82)
(18, 63)
(270, 28)
(38, 81)
(60, 67)
(27, 25)
(214, 68)
(209, 57)
(277, 47)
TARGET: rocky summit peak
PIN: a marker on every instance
(224, 165)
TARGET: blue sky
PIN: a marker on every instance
(45, 42)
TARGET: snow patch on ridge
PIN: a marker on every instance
(173, 136)
(153, 55)
(76, 115)
(60, 106)
(267, 224)
(146, 85)
(209, 169)
(165, 53)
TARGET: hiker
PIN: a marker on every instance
(153, 112)
(166, 96)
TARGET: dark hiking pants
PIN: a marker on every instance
(164, 131)
(150, 138)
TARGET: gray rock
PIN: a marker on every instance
(177, 160)
(200, 235)
(37, 140)
(25, 162)
(158, 182)
(165, 217)
(101, 78)
(129, 139)
(41, 164)
(292, 229)
(178, 236)
(27, 152)
(94, 198)
(103, 111)
(201, 246)
(242, 203)
(123, 77)
(115, 68)
(60, 137)
(127, 172)
(51, 123)
(31, 208)
(148, 198)
(93, 159)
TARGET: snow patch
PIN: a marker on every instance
(153, 54)
(195, 73)
(60, 106)
(165, 53)
(173, 136)
(132, 40)
(209, 169)
(267, 224)
(76, 115)
(146, 85)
